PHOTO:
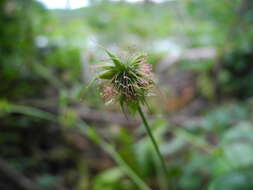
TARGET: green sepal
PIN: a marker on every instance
(115, 60)
(107, 66)
(136, 59)
(106, 74)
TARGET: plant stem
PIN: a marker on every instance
(153, 140)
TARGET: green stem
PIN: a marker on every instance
(153, 140)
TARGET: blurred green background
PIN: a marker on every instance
(57, 134)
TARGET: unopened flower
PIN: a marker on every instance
(127, 80)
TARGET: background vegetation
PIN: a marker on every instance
(56, 134)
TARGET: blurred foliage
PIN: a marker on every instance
(45, 59)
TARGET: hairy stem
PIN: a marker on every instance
(150, 134)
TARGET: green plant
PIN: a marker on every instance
(129, 81)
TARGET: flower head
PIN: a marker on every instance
(128, 81)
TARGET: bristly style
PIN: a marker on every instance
(128, 81)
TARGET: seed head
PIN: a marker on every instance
(128, 81)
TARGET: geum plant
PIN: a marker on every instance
(129, 81)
